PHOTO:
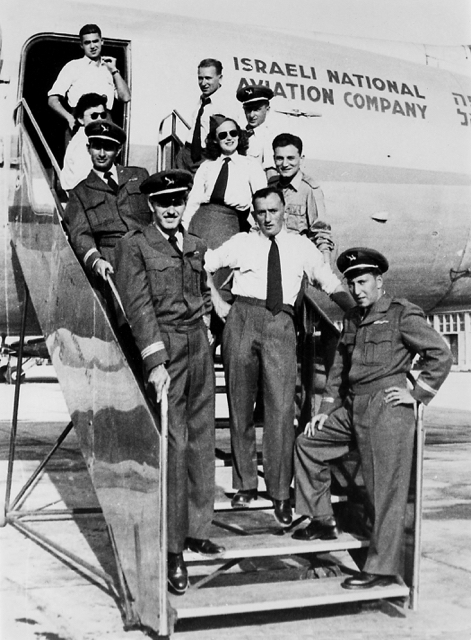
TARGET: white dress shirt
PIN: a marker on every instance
(247, 255)
(260, 146)
(246, 176)
(82, 76)
(113, 171)
(77, 161)
(221, 103)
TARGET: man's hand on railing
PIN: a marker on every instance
(103, 268)
(159, 378)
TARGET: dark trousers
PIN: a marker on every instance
(191, 437)
(385, 437)
(258, 347)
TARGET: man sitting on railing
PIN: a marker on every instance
(367, 400)
(77, 160)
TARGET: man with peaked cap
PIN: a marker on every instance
(108, 203)
(367, 399)
(256, 104)
(162, 283)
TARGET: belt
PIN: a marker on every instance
(377, 385)
(257, 302)
(109, 241)
(182, 328)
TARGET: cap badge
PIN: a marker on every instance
(169, 181)
(249, 91)
(351, 257)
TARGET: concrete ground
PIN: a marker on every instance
(43, 599)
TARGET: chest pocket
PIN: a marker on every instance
(163, 273)
(295, 217)
(348, 340)
(99, 212)
(138, 202)
(194, 273)
(378, 345)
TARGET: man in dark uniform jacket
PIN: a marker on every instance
(367, 398)
(167, 301)
(108, 203)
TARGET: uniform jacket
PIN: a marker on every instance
(304, 202)
(97, 216)
(160, 291)
(382, 345)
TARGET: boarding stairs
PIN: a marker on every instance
(123, 440)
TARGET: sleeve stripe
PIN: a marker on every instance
(426, 387)
(89, 253)
(331, 400)
(153, 348)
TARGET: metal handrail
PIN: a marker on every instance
(55, 166)
(172, 137)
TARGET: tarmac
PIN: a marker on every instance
(41, 598)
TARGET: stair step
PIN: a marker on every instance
(210, 601)
(268, 545)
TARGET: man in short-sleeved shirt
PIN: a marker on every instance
(93, 73)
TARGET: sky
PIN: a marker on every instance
(440, 22)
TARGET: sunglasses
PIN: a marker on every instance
(106, 145)
(165, 201)
(223, 134)
(98, 114)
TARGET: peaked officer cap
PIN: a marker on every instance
(105, 131)
(170, 181)
(254, 93)
(360, 259)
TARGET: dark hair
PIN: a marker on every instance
(211, 62)
(89, 28)
(213, 150)
(265, 192)
(285, 139)
(88, 100)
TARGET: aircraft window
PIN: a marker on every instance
(43, 57)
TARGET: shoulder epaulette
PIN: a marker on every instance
(310, 181)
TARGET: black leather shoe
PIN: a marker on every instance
(243, 498)
(365, 580)
(283, 512)
(204, 547)
(317, 530)
(177, 573)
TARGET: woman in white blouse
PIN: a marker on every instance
(217, 214)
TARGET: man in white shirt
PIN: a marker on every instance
(77, 160)
(213, 100)
(259, 342)
(91, 74)
(256, 103)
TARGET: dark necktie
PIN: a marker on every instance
(219, 190)
(196, 140)
(274, 284)
(249, 131)
(111, 182)
(174, 243)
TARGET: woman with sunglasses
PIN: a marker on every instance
(220, 200)
(77, 161)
